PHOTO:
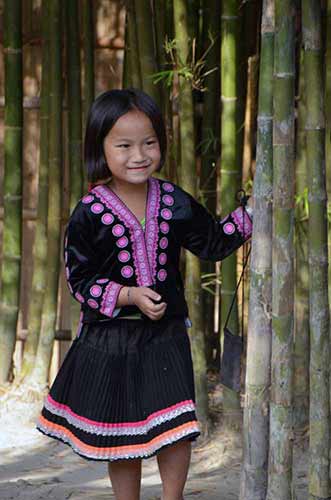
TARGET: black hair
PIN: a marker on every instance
(104, 112)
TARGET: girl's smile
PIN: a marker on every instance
(132, 149)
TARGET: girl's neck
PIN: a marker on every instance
(128, 189)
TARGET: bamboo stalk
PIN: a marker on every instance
(12, 184)
(319, 418)
(254, 473)
(209, 155)
(48, 324)
(40, 243)
(74, 103)
(301, 337)
(188, 180)
(88, 48)
(281, 404)
(230, 170)
(147, 52)
(133, 48)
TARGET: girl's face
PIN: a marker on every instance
(132, 149)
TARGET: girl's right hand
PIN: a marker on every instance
(143, 298)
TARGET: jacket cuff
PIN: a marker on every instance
(109, 298)
(243, 222)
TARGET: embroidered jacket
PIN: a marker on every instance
(106, 247)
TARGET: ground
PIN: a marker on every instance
(36, 467)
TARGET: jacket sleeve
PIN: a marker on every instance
(82, 262)
(211, 238)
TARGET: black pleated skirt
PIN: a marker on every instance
(125, 390)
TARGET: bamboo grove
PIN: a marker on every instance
(245, 89)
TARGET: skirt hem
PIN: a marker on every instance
(192, 436)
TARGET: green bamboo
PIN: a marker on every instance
(88, 48)
(209, 154)
(188, 180)
(74, 103)
(301, 337)
(319, 416)
(230, 169)
(254, 473)
(147, 51)
(48, 323)
(281, 398)
(133, 48)
(40, 243)
(126, 76)
(12, 184)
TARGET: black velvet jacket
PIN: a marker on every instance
(107, 248)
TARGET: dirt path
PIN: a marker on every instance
(36, 467)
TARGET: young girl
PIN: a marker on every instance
(125, 390)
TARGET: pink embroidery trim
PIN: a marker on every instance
(162, 258)
(163, 242)
(93, 303)
(162, 274)
(168, 187)
(164, 226)
(152, 229)
(127, 271)
(97, 208)
(166, 213)
(109, 298)
(122, 242)
(243, 222)
(77, 420)
(124, 256)
(96, 291)
(144, 256)
(229, 228)
(118, 230)
(168, 200)
(88, 199)
(79, 297)
(107, 219)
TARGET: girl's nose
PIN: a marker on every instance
(138, 154)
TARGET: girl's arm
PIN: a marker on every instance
(211, 238)
(82, 265)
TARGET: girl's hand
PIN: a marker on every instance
(143, 298)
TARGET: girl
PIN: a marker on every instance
(125, 390)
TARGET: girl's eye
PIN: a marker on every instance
(150, 142)
(123, 145)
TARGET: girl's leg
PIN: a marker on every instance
(173, 464)
(125, 477)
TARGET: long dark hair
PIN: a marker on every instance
(104, 112)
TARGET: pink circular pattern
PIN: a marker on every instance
(107, 219)
(127, 271)
(162, 258)
(124, 256)
(95, 291)
(97, 208)
(118, 230)
(88, 199)
(229, 228)
(122, 242)
(166, 213)
(164, 226)
(168, 200)
(79, 297)
(93, 303)
(168, 187)
(162, 274)
(163, 242)
(103, 280)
